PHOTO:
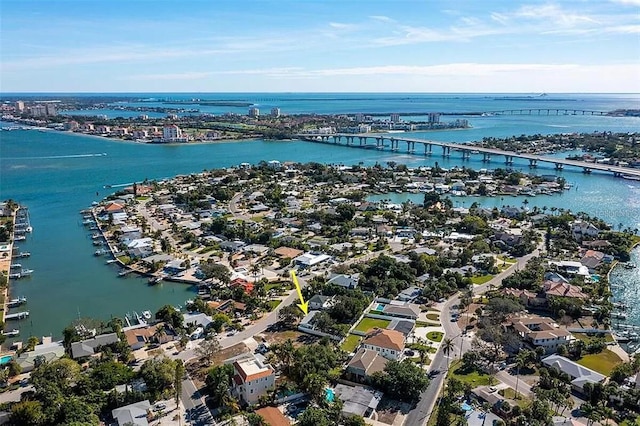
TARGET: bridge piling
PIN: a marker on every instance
(533, 163)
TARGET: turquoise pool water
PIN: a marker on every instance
(380, 307)
(595, 278)
(466, 407)
(329, 394)
(5, 359)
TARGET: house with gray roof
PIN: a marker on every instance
(133, 414)
(319, 302)
(48, 350)
(88, 347)
(358, 401)
(402, 310)
(346, 281)
(364, 363)
(579, 375)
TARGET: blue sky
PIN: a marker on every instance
(320, 46)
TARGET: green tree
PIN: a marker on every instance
(218, 383)
(255, 419)
(402, 380)
(314, 385)
(171, 316)
(289, 315)
(177, 381)
(313, 416)
(27, 413)
(159, 374)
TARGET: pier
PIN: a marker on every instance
(17, 315)
(393, 142)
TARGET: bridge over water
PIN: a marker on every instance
(393, 142)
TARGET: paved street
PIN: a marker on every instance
(421, 412)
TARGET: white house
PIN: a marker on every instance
(319, 302)
(308, 259)
(251, 379)
(579, 374)
(539, 332)
(581, 229)
(141, 247)
(388, 343)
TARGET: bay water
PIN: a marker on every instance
(58, 174)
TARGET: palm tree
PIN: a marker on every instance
(447, 347)
(255, 270)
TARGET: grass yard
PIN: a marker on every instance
(593, 338)
(368, 324)
(603, 362)
(351, 343)
(473, 378)
(433, 317)
(510, 393)
(481, 279)
(435, 336)
(273, 304)
(427, 324)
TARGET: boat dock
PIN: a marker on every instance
(17, 315)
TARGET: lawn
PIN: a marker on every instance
(481, 279)
(369, 323)
(427, 324)
(603, 362)
(435, 336)
(433, 316)
(273, 304)
(510, 393)
(593, 338)
(351, 343)
(473, 378)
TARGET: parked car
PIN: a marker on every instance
(160, 406)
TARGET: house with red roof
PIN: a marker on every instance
(251, 379)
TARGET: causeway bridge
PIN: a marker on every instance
(393, 142)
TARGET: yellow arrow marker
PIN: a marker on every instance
(304, 306)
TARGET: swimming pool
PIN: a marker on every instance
(380, 307)
(329, 394)
(5, 359)
(595, 278)
(466, 407)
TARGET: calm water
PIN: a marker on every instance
(56, 175)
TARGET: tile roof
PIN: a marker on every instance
(390, 339)
(273, 417)
(367, 361)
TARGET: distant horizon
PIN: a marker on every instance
(309, 92)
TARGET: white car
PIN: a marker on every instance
(160, 406)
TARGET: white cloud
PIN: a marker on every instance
(381, 18)
(627, 2)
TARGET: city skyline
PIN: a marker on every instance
(313, 46)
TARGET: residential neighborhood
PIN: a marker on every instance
(319, 301)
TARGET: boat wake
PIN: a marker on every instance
(52, 157)
(119, 185)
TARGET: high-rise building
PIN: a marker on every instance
(38, 110)
(275, 112)
(359, 117)
(19, 106)
(171, 133)
(50, 109)
(395, 117)
(254, 112)
(434, 117)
